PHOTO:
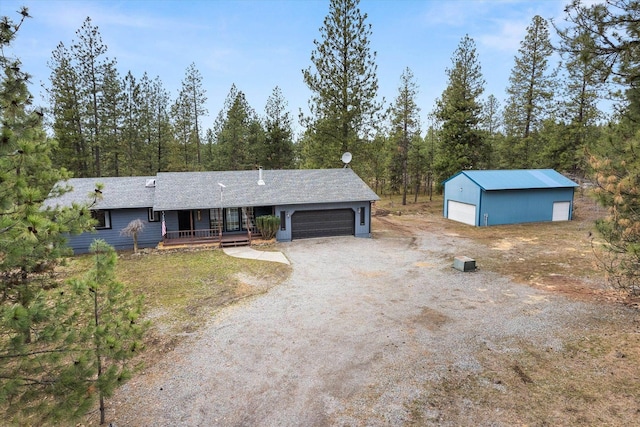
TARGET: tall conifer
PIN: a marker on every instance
(459, 110)
(344, 84)
(530, 94)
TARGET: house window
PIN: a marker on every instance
(153, 215)
(283, 220)
(362, 216)
(103, 218)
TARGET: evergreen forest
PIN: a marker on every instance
(109, 122)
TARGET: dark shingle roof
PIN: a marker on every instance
(518, 179)
(118, 192)
(199, 190)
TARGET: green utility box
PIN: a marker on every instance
(464, 263)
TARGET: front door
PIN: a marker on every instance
(185, 222)
(233, 219)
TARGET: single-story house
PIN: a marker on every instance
(492, 197)
(122, 200)
(221, 206)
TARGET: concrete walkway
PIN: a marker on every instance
(250, 253)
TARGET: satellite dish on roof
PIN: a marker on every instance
(346, 158)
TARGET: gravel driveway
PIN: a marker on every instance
(350, 339)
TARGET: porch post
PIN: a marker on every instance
(163, 229)
(191, 223)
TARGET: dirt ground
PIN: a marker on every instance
(558, 257)
(383, 332)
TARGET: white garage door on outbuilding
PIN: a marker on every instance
(561, 211)
(495, 197)
(461, 212)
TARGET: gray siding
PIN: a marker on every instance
(120, 218)
(171, 220)
(360, 230)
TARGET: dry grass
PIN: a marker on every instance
(592, 380)
(183, 289)
(555, 256)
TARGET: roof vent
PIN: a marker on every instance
(260, 180)
(151, 183)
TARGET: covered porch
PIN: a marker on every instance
(224, 227)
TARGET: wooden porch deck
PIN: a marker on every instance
(207, 237)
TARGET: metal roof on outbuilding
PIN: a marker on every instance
(518, 179)
(118, 192)
(220, 189)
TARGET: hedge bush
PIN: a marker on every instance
(268, 225)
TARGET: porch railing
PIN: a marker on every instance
(207, 233)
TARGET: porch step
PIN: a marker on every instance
(236, 241)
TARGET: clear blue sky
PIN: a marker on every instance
(262, 44)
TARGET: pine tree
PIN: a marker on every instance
(192, 99)
(279, 150)
(379, 159)
(36, 323)
(405, 126)
(459, 109)
(418, 163)
(256, 148)
(236, 134)
(183, 132)
(135, 120)
(430, 143)
(491, 123)
(582, 88)
(32, 238)
(73, 150)
(116, 158)
(530, 94)
(92, 68)
(150, 118)
(160, 135)
(344, 85)
(84, 94)
(114, 330)
(613, 30)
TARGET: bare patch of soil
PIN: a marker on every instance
(556, 257)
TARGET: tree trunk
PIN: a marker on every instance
(101, 409)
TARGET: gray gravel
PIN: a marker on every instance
(350, 339)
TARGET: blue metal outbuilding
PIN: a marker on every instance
(493, 197)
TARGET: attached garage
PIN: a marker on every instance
(322, 223)
(494, 197)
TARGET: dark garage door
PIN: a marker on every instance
(334, 222)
